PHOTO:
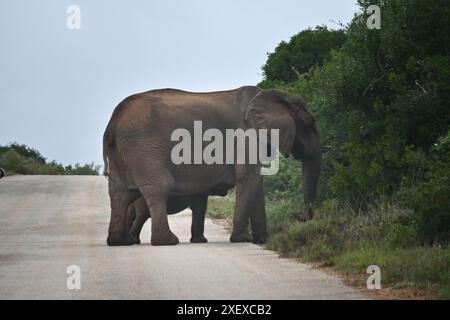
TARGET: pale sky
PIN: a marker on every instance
(58, 87)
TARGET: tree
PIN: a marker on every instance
(381, 99)
(304, 51)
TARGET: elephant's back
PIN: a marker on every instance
(174, 98)
(227, 103)
(156, 114)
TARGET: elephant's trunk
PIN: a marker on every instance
(311, 166)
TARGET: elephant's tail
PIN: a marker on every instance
(105, 155)
(108, 140)
(107, 143)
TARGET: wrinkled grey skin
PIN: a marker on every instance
(137, 148)
(138, 214)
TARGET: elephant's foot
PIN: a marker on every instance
(166, 238)
(240, 237)
(259, 239)
(119, 240)
(135, 240)
(199, 239)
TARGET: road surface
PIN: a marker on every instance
(48, 223)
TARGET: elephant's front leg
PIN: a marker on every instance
(161, 234)
(198, 205)
(250, 204)
(131, 216)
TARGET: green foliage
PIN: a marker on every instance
(382, 103)
(424, 268)
(89, 169)
(351, 240)
(20, 159)
(221, 207)
(304, 50)
(24, 151)
(286, 183)
(427, 192)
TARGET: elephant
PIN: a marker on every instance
(2, 173)
(138, 145)
(138, 213)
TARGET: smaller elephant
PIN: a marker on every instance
(138, 213)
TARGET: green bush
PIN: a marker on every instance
(286, 184)
(427, 194)
(20, 159)
(24, 151)
(352, 240)
(382, 100)
(424, 268)
(87, 170)
(308, 48)
(221, 207)
(13, 162)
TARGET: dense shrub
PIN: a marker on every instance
(382, 100)
(427, 192)
(16, 158)
(305, 50)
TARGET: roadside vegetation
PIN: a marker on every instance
(20, 159)
(382, 103)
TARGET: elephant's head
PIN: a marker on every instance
(298, 134)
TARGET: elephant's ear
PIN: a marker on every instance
(270, 109)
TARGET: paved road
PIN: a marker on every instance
(50, 222)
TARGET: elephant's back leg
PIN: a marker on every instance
(120, 198)
(155, 182)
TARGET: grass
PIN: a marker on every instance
(426, 268)
(221, 207)
(350, 241)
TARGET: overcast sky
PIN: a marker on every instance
(58, 87)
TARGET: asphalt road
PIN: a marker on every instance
(48, 223)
